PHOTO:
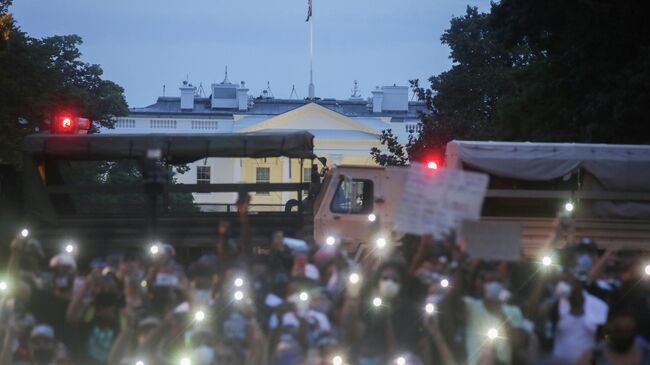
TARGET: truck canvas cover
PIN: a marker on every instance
(616, 167)
(177, 148)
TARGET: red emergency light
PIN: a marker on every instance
(433, 165)
(68, 124)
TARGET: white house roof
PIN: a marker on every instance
(269, 107)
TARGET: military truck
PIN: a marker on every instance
(606, 187)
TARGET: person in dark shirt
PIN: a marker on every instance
(49, 304)
(390, 320)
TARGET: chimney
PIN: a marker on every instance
(396, 98)
(242, 97)
(187, 96)
(377, 100)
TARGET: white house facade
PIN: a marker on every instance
(344, 131)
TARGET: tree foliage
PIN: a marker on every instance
(540, 70)
(40, 76)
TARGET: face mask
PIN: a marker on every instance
(435, 298)
(202, 296)
(563, 289)
(388, 289)
(584, 262)
(302, 306)
(492, 290)
(323, 306)
(368, 361)
(620, 344)
(63, 281)
(204, 355)
(42, 355)
(505, 296)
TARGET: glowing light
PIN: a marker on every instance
(547, 261)
(186, 361)
(337, 360)
(239, 282)
(432, 165)
(303, 296)
(377, 302)
(330, 240)
(430, 308)
(66, 123)
(444, 283)
(569, 207)
(647, 269)
(354, 278)
(143, 284)
(3, 286)
(492, 333)
(199, 316)
(154, 249)
(381, 242)
(400, 361)
(239, 295)
(24, 232)
(139, 362)
(69, 248)
(372, 217)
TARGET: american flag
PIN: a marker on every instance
(308, 10)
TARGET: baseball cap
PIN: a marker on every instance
(42, 330)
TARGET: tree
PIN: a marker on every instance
(543, 71)
(396, 155)
(592, 82)
(39, 77)
(461, 102)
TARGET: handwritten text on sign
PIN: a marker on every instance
(437, 201)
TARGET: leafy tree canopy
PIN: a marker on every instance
(40, 76)
(539, 70)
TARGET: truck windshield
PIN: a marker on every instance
(353, 196)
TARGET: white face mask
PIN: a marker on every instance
(563, 289)
(492, 291)
(388, 289)
(302, 306)
(204, 355)
(202, 296)
(435, 298)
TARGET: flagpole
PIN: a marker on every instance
(311, 58)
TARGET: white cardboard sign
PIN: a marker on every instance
(437, 201)
(498, 241)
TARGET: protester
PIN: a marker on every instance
(278, 301)
(620, 345)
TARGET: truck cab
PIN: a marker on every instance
(357, 203)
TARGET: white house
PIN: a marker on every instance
(344, 130)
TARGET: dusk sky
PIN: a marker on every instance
(145, 44)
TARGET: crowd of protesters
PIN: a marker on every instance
(415, 301)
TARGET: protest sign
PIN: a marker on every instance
(437, 201)
(498, 241)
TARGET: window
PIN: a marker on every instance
(263, 176)
(203, 174)
(353, 196)
(306, 174)
(306, 177)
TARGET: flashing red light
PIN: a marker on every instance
(66, 124)
(433, 165)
